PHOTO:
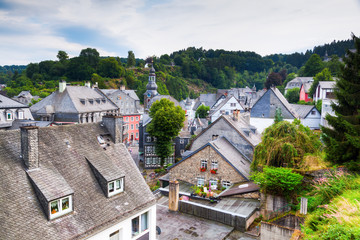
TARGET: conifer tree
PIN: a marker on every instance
(343, 139)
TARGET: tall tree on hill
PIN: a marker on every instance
(313, 66)
(343, 139)
(131, 61)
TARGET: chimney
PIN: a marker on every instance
(29, 146)
(114, 124)
(174, 196)
(246, 117)
(122, 87)
(62, 86)
(236, 115)
(87, 84)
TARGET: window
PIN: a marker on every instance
(148, 139)
(213, 184)
(181, 141)
(148, 160)
(114, 236)
(203, 164)
(313, 112)
(140, 224)
(137, 126)
(8, 116)
(226, 184)
(60, 207)
(91, 101)
(214, 165)
(137, 118)
(115, 187)
(132, 119)
(132, 126)
(82, 101)
(20, 115)
(200, 181)
(126, 119)
(137, 135)
(182, 151)
(233, 104)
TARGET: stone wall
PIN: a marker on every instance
(271, 205)
(189, 169)
(270, 231)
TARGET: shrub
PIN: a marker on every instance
(281, 181)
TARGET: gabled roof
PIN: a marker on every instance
(76, 99)
(327, 84)
(159, 97)
(303, 110)
(6, 102)
(306, 86)
(62, 151)
(298, 81)
(221, 104)
(208, 99)
(229, 153)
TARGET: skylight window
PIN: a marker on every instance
(60, 207)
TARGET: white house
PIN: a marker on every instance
(11, 110)
(309, 115)
(324, 90)
(224, 106)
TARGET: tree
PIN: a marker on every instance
(313, 66)
(90, 56)
(342, 139)
(293, 95)
(62, 56)
(278, 115)
(324, 75)
(167, 121)
(131, 61)
(202, 111)
(274, 79)
(284, 144)
(109, 67)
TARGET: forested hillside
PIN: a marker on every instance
(183, 73)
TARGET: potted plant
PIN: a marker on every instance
(213, 171)
(202, 169)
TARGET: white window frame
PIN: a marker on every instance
(200, 181)
(226, 184)
(20, 114)
(181, 141)
(115, 189)
(148, 139)
(132, 126)
(61, 212)
(132, 119)
(214, 164)
(203, 164)
(137, 126)
(213, 182)
(140, 224)
(115, 235)
(137, 118)
(137, 135)
(9, 116)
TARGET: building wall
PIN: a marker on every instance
(15, 115)
(312, 120)
(271, 231)
(124, 227)
(133, 122)
(189, 169)
(222, 128)
(227, 109)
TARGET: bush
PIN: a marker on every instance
(281, 181)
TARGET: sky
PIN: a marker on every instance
(35, 30)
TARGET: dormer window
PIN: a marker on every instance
(115, 187)
(91, 101)
(103, 100)
(82, 101)
(98, 100)
(60, 207)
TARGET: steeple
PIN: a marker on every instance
(151, 88)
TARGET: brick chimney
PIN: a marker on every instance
(174, 196)
(122, 87)
(29, 146)
(87, 84)
(236, 114)
(114, 125)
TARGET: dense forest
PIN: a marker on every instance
(183, 73)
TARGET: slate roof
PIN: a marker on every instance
(218, 107)
(208, 99)
(307, 86)
(284, 102)
(298, 81)
(327, 84)
(240, 189)
(6, 102)
(303, 110)
(17, 123)
(62, 151)
(69, 101)
(158, 97)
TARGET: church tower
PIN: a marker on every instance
(151, 89)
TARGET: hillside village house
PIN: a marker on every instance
(263, 112)
(325, 93)
(298, 82)
(235, 128)
(25, 97)
(129, 107)
(225, 105)
(304, 92)
(309, 115)
(74, 104)
(72, 182)
(11, 110)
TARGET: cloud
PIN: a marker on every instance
(35, 30)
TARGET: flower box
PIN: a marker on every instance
(213, 171)
(202, 169)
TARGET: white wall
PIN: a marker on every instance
(125, 227)
(312, 121)
(227, 108)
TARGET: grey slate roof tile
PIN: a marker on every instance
(21, 215)
(6, 102)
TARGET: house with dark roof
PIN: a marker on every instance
(308, 115)
(324, 90)
(235, 128)
(25, 97)
(72, 182)
(11, 110)
(218, 161)
(129, 107)
(263, 112)
(298, 82)
(74, 104)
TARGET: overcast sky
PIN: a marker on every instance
(35, 30)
